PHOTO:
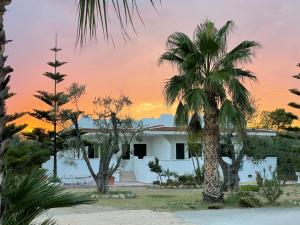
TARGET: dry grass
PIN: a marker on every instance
(179, 199)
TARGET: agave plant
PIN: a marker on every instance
(28, 197)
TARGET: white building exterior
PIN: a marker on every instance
(168, 145)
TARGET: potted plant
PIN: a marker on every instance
(111, 180)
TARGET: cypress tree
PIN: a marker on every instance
(54, 100)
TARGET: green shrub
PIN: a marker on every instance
(249, 188)
(156, 182)
(24, 156)
(271, 190)
(186, 178)
(248, 200)
(199, 175)
(243, 199)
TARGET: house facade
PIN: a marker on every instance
(167, 144)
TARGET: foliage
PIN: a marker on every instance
(295, 91)
(155, 167)
(199, 175)
(91, 12)
(75, 92)
(243, 199)
(278, 120)
(248, 200)
(23, 156)
(249, 188)
(187, 179)
(28, 196)
(271, 189)
(170, 175)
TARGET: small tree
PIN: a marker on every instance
(156, 168)
(113, 133)
(271, 188)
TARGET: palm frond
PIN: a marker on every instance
(93, 12)
(27, 197)
(196, 99)
(241, 97)
(181, 116)
(243, 53)
(206, 38)
(173, 88)
(231, 117)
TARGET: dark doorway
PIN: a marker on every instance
(91, 151)
(179, 151)
(140, 150)
(126, 156)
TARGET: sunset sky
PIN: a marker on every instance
(131, 68)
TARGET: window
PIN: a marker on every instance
(93, 151)
(180, 151)
(140, 150)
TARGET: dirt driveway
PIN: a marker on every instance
(99, 215)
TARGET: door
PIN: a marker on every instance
(140, 150)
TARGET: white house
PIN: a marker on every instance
(167, 144)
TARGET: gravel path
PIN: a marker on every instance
(259, 216)
(97, 215)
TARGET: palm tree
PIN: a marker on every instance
(209, 81)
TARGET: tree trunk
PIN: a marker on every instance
(212, 188)
(102, 183)
(54, 154)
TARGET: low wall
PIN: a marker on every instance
(76, 172)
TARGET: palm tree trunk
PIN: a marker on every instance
(212, 191)
(4, 79)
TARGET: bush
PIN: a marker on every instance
(271, 190)
(248, 200)
(186, 178)
(169, 174)
(156, 182)
(249, 188)
(24, 156)
(259, 180)
(243, 199)
(199, 175)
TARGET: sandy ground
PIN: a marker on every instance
(98, 215)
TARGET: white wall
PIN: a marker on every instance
(75, 172)
(79, 174)
(174, 139)
(160, 147)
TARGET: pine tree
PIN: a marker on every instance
(7, 127)
(295, 91)
(55, 100)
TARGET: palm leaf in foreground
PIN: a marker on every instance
(27, 197)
